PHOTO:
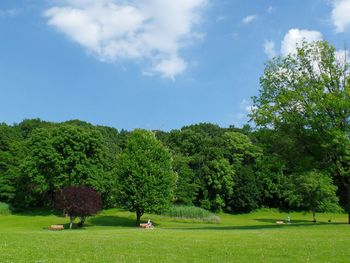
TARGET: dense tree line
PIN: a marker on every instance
(297, 157)
(219, 169)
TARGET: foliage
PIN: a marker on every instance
(144, 172)
(217, 176)
(78, 201)
(192, 212)
(60, 156)
(4, 209)
(305, 100)
(186, 184)
(10, 150)
(313, 191)
(210, 158)
(247, 191)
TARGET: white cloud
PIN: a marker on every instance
(269, 49)
(172, 66)
(249, 19)
(271, 9)
(246, 106)
(153, 31)
(9, 13)
(220, 18)
(341, 14)
(295, 37)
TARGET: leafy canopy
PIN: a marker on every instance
(145, 177)
(78, 201)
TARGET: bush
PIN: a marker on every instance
(78, 201)
(4, 209)
(192, 212)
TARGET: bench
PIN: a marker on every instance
(56, 227)
(147, 226)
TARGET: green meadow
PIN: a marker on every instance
(112, 237)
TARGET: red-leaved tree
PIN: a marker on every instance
(78, 201)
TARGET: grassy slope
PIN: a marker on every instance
(111, 237)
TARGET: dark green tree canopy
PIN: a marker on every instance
(64, 155)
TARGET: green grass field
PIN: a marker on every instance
(112, 237)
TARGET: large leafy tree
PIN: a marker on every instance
(145, 178)
(305, 97)
(63, 155)
(312, 191)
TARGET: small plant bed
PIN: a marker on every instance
(4, 209)
(192, 214)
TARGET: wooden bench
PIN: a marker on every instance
(56, 227)
(147, 226)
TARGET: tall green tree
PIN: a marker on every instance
(306, 98)
(217, 185)
(186, 184)
(144, 172)
(243, 156)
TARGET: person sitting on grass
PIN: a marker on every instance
(149, 224)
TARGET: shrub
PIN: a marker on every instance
(4, 209)
(191, 212)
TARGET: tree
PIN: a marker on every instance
(186, 185)
(11, 151)
(218, 182)
(246, 192)
(243, 155)
(306, 97)
(63, 155)
(145, 177)
(78, 201)
(313, 191)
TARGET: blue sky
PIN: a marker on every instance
(154, 64)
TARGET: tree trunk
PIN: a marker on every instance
(71, 222)
(82, 221)
(346, 182)
(314, 215)
(138, 217)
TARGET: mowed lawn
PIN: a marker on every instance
(112, 237)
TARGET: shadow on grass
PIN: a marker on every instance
(107, 221)
(272, 225)
(37, 212)
(299, 222)
(112, 221)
